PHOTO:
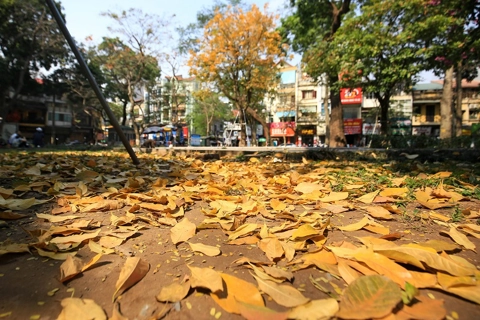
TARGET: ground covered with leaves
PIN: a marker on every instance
(91, 236)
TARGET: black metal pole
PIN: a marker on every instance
(91, 80)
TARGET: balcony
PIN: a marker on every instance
(426, 119)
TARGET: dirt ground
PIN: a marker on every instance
(30, 283)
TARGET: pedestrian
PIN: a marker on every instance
(38, 138)
(18, 140)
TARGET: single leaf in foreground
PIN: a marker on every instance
(210, 251)
(8, 215)
(182, 231)
(74, 266)
(133, 271)
(13, 248)
(425, 309)
(206, 278)
(461, 239)
(235, 290)
(368, 297)
(81, 309)
(174, 292)
(254, 312)
(315, 310)
(284, 295)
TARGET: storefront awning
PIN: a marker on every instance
(286, 114)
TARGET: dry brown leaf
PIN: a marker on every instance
(346, 272)
(8, 215)
(116, 315)
(210, 251)
(236, 290)
(75, 238)
(461, 239)
(55, 255)
(73, 266)
(174, 292)
(13, 248)
(19, 204)
(243, 230)
(81, 309)
(427, 201)
(206, 278)
(384, 266)
(133, 271)
(315, 310)
(369, 297)
(255, 312)
(425, 309)
(272, 248)
(278, 273)
(471, 293)
(182, 231)
(430, 257)
(54, 219)
(284, 295)
(439, 245)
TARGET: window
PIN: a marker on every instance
(430, 113)
(309, 94)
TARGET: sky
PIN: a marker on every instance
(84, 17)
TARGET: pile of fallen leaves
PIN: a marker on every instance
(284, 209)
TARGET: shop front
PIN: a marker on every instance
(307, 135)
(353, 131)
(282, 132)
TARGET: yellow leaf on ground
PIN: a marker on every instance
(174, 292)
(355, 226)
(471, 293)
(272, 248)
(255, 312)
(278, 273)
(206, 278)
(133, 271)
(315, 310)
(210, 251)
(369, 197)
(461, 239)
(335, 196)
(394, 192)
(278, 205)
(13, 248)
(74, 266)
(235, 290)
(75, 238)
(379, 213)
(81, 309)
(182, 231)
(369, 297)
(53, 218)
(304, 232)
(243, 230)
(308, 187)
(284, 295)
(55, 255)
(425, 309)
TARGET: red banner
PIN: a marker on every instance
(282, 129)
(351, 96)
(352, 126)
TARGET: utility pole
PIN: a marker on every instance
(91, 80)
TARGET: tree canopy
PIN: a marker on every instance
(237, 54)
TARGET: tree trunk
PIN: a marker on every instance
(458, 105)
(337, 134)
(243, 128)
(327, 116)
(446, 106)
(124, 119)
(266, 129)
(384, 106)
(54, 134)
